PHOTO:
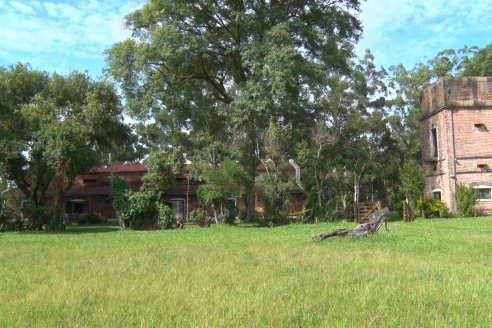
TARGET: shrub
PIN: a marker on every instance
(7, 218)
(466, 198)
(200, 216)
(328, 212)
(274, 191)
(88, 218)
(229, 212)
(142, 211)
(165, 216)
(37, 216)
(433, 208)
(394, 216)
(332, 214)
(119, 195)
(399, 208)
(242, 214)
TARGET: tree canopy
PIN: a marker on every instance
(54, 127)
(227, 68)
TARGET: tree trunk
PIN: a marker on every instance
(59, 188)
(215, 214)
(365, 229)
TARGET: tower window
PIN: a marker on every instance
(433, 144)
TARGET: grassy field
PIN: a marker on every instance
(429, 273)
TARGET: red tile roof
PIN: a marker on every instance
(120, 168)
(104, 189)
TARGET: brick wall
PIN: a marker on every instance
(460, 110)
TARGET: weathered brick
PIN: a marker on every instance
(460, 111)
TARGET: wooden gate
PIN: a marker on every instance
(365, 209)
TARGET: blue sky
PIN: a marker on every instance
(65, 35)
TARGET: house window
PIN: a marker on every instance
(436, 194)
(484, 192)
(90, 180)
(433, 144)
(178, 207)
(77, 206)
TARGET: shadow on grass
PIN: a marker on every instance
(78, 230)
(70, 230)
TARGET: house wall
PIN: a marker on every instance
(455, 106)
(102, 205)
(95, 189)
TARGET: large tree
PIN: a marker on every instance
(480, 64)
(344, 149)
(408, 83)
(208, 66)
(54, 127)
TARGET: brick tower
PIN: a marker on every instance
(456, 130)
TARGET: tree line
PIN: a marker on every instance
(228, 85)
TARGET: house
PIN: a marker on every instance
(91, 193)
(456, 130)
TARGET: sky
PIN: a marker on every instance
(66, 35)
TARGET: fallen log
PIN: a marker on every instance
(376, 219)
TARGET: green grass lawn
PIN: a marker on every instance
(428, 273)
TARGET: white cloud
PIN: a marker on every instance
(63, 34)
(66, 35)
(411, 31)
(23, 8)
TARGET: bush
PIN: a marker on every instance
(242, 214)
(275, 192)
(200, 216)
(433, 208)
(142, 211)
(329, 212)
(37, 216)
(229, 212)
(399, 208)
(165, 217)
(8, 218)
(119, 195)
(466, 198)
(332, 214)
(88, 218)
(394, 216)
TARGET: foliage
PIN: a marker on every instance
(229, 212)
(119, 196)
(404, 108)
(275, 192)
(408, 83)
(88, 219)
(162, 170)
(466, 198)
(412, 178)
(165, 216)
(200, 216)
(480, 64)
(142, 211)
(4, 211)
(274, 185)
(394, 216)
(222, 183)
(36, 216)
(434, 208)
(226, 69)
(344, 158)
(54, 127)
(6, 215)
